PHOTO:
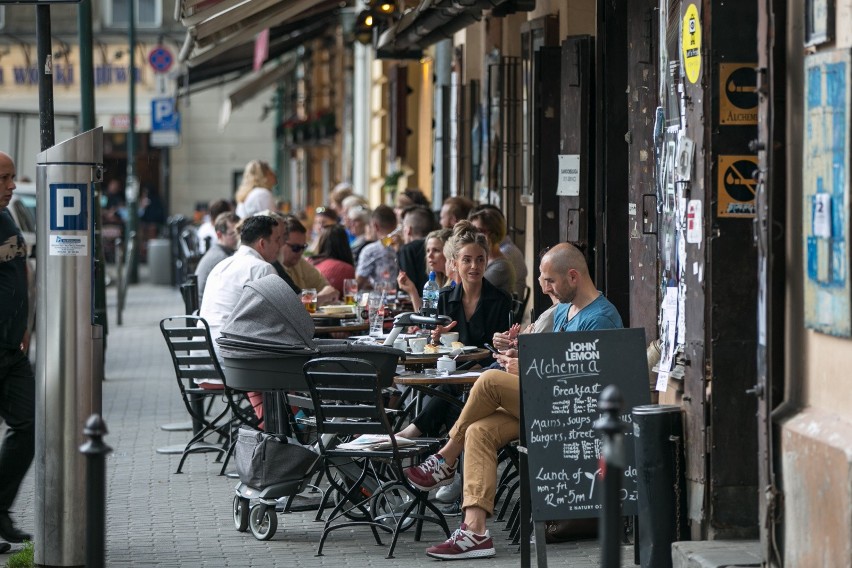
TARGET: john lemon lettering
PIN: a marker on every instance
(581, 360)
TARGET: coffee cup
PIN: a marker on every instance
(446, 364)
(417, 344)
(400, 344)
(448, 338)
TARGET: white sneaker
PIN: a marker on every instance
(450, 493)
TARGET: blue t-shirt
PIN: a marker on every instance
(600, 314)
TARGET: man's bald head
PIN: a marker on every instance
(565, 274)
(564, 257)
(7, 179)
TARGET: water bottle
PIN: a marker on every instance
(430, 296)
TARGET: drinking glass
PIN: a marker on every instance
(309, 299)
(350, 291)
(376, 314)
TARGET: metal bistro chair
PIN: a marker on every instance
(191, 348)
(519, 305)
(348, 401)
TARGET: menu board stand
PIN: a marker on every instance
(562, 376)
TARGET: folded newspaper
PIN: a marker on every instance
(374, 442)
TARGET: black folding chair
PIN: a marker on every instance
(519, 305)
(348, 401)
(191, 348)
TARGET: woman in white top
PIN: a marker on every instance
(255, 192)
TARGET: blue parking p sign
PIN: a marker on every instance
(165, 122)
(69, 207)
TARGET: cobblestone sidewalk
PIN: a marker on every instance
(158, 518)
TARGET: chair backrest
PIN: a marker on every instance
(189, 292)
(189, 343)
(190, 248)
(347, 396)
(191, 348)
(519, 305)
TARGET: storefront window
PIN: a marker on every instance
(149, 13)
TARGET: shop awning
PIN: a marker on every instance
(215, 27)
(435, 20)
(238, 62)
(258, 82)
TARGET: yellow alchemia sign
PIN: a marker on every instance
(691, 43)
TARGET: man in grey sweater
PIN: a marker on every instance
(226, 243)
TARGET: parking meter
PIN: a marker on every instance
(67, 391)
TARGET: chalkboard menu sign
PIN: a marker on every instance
(562, 376)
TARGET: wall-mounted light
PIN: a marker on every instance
(382, 8)
(364, 27)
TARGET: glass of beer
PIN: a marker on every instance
(309, 299)
(350, 291)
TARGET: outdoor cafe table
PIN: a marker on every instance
(420, 361)
(325, 324)
(428, 384)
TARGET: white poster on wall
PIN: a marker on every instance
(569, 175)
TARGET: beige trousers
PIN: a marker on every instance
(489, 421)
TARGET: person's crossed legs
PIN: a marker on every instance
(488, 421)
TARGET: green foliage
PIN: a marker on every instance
(23, 558)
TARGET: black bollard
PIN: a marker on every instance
(612, 455)
(95, 451)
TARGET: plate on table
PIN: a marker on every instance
(383, 337)
(336, 310)
(444, 350)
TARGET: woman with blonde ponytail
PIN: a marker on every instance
(255, 192)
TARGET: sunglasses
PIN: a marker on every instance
(296, 248)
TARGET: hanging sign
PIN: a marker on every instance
(736, 186)
(737, 93)
(691, 44)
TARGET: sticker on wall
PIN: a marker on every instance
(691, 44)
(737, 93)
(694, 222)
(685, 151)
(736, 186)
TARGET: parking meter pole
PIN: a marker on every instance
(132, 186)
(66, 394)
(614, 462)
(45, 75)
(96, 452)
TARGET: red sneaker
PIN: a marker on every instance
(434, 472)
(463, 544)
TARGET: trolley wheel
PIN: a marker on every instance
(263, 522)
(389, 503)
(241, 513)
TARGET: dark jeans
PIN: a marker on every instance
(438, 413)
(17, 408)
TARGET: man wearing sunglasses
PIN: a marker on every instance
(300, 270)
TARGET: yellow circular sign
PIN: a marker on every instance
(691, 44)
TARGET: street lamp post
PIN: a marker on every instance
(131, 188)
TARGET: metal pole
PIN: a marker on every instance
(612, 455)
(95, 451)
(87, 120)
(45, 78)
(132, 186)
